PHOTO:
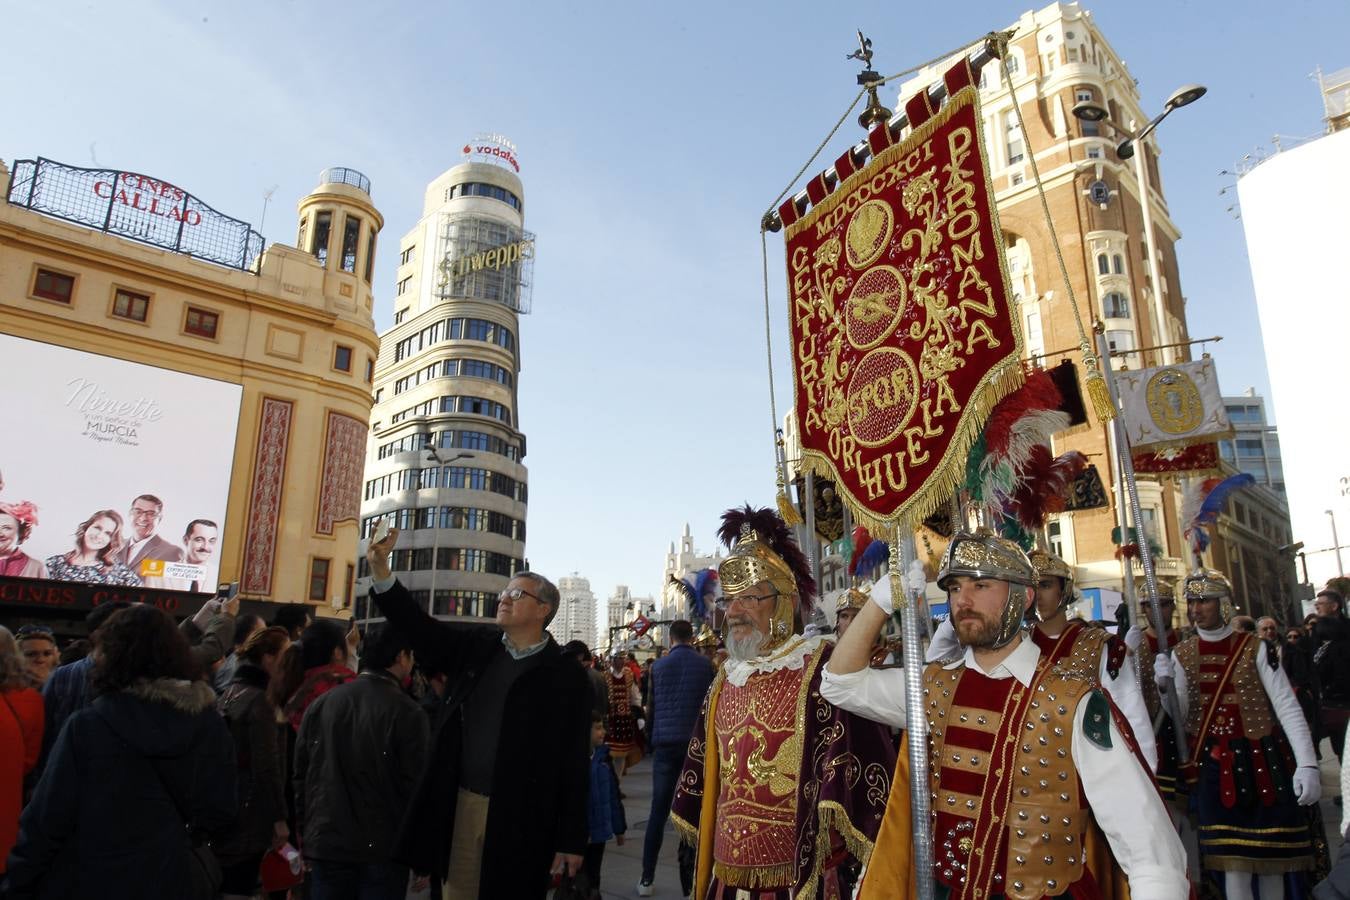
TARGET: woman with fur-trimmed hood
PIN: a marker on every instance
(130, 776)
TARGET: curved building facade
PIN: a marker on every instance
(446, 452)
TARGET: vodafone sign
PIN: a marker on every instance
(493, 148)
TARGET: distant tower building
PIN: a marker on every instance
(575, 620)
(681, 565)
(622, 608)
(1255, 545)
(445, 446)
(1255, 448)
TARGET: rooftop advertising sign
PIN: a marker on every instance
(123, 474)
(496, 149)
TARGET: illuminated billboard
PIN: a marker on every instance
(115, 472)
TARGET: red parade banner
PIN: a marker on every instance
(1197, 459)
(903, 332)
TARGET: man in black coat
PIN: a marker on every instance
(361, 749)
(509, 761)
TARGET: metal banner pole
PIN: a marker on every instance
(1169, 699)
(903, 552)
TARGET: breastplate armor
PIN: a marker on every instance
(759, 753)
(1244, 709)
(1009, 817)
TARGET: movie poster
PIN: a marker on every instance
(113, 472)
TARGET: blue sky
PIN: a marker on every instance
(652, 137)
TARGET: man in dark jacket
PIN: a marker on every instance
(578, 651)
(679, 680)
(502, 803)
(361, 748)
(1331, 659)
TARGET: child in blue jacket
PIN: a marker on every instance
(606, 817)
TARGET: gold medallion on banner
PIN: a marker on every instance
(874, 306)
(1174, 402)
(869, 233)
(882, 395)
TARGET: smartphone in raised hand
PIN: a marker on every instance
(382, 529)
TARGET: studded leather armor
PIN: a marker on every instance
(1009, 814)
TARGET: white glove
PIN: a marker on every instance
(944, 644)
(1134, 637)
(1162, 671)
(881, 594)
(916, 580)
(1307, 785)
(642, 724)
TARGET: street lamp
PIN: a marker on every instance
(434, 455)
(1093, 112)
(1336, 542)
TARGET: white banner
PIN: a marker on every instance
(1173, 406)
(114, 472)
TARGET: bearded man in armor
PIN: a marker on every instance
(1027, 759)
(778, 783)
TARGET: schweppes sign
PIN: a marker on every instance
(494, 259)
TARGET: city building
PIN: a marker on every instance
(227, 382)
(1255, 448)
(1297, 302)
(1058, 59)
(683, 564)
(575, 620)
(621, 609)
(445, 452)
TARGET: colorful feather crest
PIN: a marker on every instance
(867, 552)
(772, 531)
(1205, 501)
(1010, 469)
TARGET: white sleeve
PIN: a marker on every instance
(944, 642)
(1286, 709)
(1179, 685)
(876, 694)
(1345, 786)
(1131, 815)
(1125, 693)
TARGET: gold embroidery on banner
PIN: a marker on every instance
(956, 307)
(1174, 402)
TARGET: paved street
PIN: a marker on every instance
(623, 865)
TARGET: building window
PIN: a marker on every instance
(318, 579)
(1103, 264)
(201, 322)
(370, 370)
(1055, 532)
(1016, 146)
(370, 256)
(1014, 63)
(351, 236)
(403, 285)
(51, 285)
(1121, 341)
(1018, 179)
(323, 223)
(1094, 153)
(1083, 95)
(406, 256)
(342, 358)
(349, 586)
(400, 315)
(1118, 264)
(130, 305)
(1115, 306)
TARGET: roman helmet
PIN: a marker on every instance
(1205, 584)
(761, 548)
(984, 554)
(1050, 565)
